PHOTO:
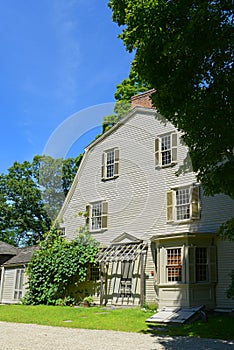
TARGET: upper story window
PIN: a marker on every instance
(97, 216)
(110, 164)
(166, 150)
(183, 204)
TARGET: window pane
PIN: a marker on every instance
(94, 273)
(96, 216)
(166, 149)
(110, 160)
(21, 279)
(183, 203)
(17, 279)
(174, 267)
(201, 264)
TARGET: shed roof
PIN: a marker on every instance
(7, 249)
(23, 257)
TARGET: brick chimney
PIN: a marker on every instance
(142, 100)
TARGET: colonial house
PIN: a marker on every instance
(13, 280)
(156, 228)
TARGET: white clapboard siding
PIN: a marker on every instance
(9, 285)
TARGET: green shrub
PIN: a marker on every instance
(58, 268)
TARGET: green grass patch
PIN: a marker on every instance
(118, 319)
(126, 319)
(217, 327)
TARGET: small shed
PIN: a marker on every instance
(13, 278)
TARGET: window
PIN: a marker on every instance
(183, 204)
(94, 274)
(201, 264)
(166, 150)
(62, 231)
(19, 279)
(97, 216)
(174, 265)
(110, 164)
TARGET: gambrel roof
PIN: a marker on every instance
(113, 129)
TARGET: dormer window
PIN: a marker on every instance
(110, 164)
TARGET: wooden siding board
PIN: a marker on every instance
(225, 264)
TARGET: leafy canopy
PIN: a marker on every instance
(184, 49)
(31, 194)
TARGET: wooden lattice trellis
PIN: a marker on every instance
(125, 252)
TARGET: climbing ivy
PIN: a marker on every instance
(58, 267)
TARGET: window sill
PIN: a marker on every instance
(181, 222)
(101, 230)
(171, 165)
(110, 178)
(171, 284)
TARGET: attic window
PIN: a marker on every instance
(110, 164)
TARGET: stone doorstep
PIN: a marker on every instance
(174, 315)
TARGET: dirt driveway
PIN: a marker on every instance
(15, 336)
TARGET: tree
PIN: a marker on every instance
(184, 49)
(22, 209)
(124, 91)
(58, 267)
(31, 194)
(69, 170)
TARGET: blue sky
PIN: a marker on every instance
(58, 57)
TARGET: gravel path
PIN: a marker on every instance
(16, 336)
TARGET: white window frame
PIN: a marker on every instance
(193, 205)
(96, 216)
(210, 265)
(166, 148)
(110, 164)
(174, 266)
(19, 283)
(182, 203)
(203, 264)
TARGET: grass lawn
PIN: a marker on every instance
(126, 319)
